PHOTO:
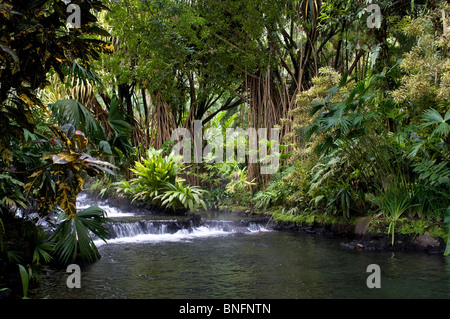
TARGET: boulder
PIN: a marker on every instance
(426, 241)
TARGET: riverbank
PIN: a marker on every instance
(363, 233)
(367, 233)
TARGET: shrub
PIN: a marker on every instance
(157, 182)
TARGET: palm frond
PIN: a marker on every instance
(74, 113)
(433, 117)
(73, 235)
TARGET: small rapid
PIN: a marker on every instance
(150, 231)
(140, 227)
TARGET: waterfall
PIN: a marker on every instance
(137, 227)
(173, 230)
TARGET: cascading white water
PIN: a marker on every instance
(83, 202)
(135, 233)
(126, 229)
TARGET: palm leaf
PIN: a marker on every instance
(433, 117)
(73, 235)
(116, 119)
(75, 113)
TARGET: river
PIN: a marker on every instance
(161, 257)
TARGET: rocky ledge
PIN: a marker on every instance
(352, 236)
(425, 243)
(357, 237)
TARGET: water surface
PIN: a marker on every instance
(224, 262)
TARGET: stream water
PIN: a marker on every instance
(161, 257)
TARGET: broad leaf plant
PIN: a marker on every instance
(61, 179)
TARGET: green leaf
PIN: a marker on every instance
(431, 116)
(25, 277)
(447, 116)
(73, 235)
(74, 113)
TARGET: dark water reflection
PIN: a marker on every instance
(259, 265)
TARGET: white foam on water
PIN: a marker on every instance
(111, 212)
(114, 212)
(132, 232)
(183, 235)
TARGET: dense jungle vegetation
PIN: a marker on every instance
(361, 101)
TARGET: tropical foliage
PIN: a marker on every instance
(157, 182)
(378, 143)
(362, 110)
(44, 153)
(73, 235)
(59, 182)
